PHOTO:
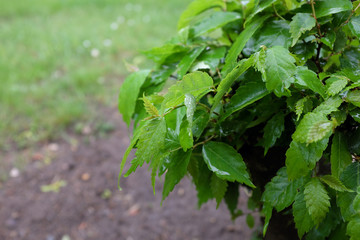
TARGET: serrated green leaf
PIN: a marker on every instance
(267, 211)
(188, 60)
(280, 192)
(149, 107)
(354, 97)
(327, 7)
(302, 157)
(226, 162)
(301, 23)
(176, 171)
(329, 105)
(304, 105)
(354, 26)
(231, 199)
(214, 21)
(308, 78)
(317, 200)
(129, 92)
(353, 228)
(312, 128)
(238, 45)
(250, 221)
(195, 8)
(218, 188)
(336, 84)
(302, 218)
(150, 144)
(244, 96)
(196, 84)
(340, 156)
(273, 130)
(230, 78)
(280, 69)
(334, 183)
(351, 176)
(329, 39)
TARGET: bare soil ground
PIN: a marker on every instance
(90, 206)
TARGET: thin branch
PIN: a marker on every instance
(276, 13)
(203, 142)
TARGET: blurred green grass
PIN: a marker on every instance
(60, 59)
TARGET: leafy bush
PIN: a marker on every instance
(259, 93)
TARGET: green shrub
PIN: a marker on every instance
(263, 94)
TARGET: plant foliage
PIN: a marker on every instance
(263, 94)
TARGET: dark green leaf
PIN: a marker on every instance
(218, 188)
(259, 8)
(129, 92)
(326, 7)
(340, 156)
(301, 23)
(237, 47)
(188, 60)
(280, 192)
(267, 211)
(273, 130)
(308, 78)
(176, 170)
(302, 157)
(226, 162)
(250, 221)
(231, 199)
(159, 54)
(354, 26)
(280, 69)
(353, 228)
(354, 97)
(210, 59)
(201, 119)
(245, 95)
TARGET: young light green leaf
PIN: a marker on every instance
(185, 136)
(196, 84)
(280, 69)
(340, 156)
(302, 218)
(308, 78)
(354, 97)
(238, 45)
(302, 157)
(244, 96)
(216, 20)
(304, 105)
(195, 8)
(149, 107)
(280, 192)
(329, 105)
(159, 54)
(336, 84)
(312, 128)
(354, 26)
(176, 170)
(129, 92)
(317, 200)
(353, 227)
(273, 130)
(334, 183)
(230, 78)
(301, 23)
(226, 162)
(188, 60)
(218, 188)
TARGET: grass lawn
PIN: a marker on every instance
(60, 58)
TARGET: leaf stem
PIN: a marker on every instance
(312, 2)
(172, 109)
(276, 13)
(203, 142)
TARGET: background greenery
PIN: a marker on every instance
(62, 59)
